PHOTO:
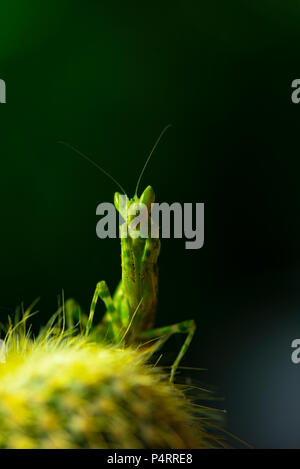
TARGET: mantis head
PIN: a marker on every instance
(123, 204)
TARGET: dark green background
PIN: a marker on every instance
(107, 76)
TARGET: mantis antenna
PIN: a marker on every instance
(151, 153)
(94, 164)
(107, 173)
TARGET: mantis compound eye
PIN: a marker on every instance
(121, 203)
(148, 197)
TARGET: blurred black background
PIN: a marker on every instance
(107, 77)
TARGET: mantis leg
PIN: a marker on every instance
(185, 327)
(151, 251)
(102, 291)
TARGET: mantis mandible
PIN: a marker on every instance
(130, 312)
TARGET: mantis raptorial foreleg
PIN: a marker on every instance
(150, 252)
(184, 327)
(111, 316)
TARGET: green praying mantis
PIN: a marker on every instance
(130, 312)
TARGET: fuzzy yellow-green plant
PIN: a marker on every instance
(61, 390)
